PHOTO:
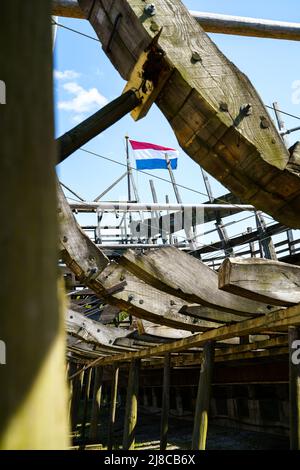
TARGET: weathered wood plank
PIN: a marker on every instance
(131, 406)
(164, 427)
(261, 280)
(177, 273)
(113, 407)
(294, 377)
(96, 404)
(33, 392)
(114, 283)
(203, 398)
(282, 318)
(203, 101)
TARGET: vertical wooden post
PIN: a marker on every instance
(33, 392)
(76, 396)
(86, 395)
(294, 371)
(165, 403)
(131, 405)
(96, 405)
(72, 370)
(113, 404)
(203, 399)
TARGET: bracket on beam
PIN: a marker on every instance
(148, 77)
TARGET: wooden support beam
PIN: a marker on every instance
(75, 398)
(113, 406)
(210, 22)
(261, 280)
(131, 406)
(245, 26)
(33, 392)
(165, 403)
(280, 319)
(203, 399)
(205, 115)
(86, 395)
(96, 404)
(73, 139)
(120, 287)
(177, 273)
(294, 372)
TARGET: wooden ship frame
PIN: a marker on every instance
(237, 325)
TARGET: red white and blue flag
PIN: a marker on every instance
(151, 157)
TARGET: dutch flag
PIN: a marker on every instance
(151, 157)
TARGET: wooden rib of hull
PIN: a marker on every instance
(178, 273)
(115, 284)
(202, 100)
(262, 280)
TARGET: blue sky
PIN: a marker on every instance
(85, 80)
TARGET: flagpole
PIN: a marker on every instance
(128, 168)
(177, 195)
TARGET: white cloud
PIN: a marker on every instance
(84, 101)
(66, 74)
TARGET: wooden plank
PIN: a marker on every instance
(114, 283)
(294, 380)
(131, 406)
(164, 426)
(203, 398)
(96, 404)
(203, 101)
(75, 399)
(244, 26)
(261, 280)
(67, 8)
(33, 395)
(86, 394)
(177, 273)
(282, 318)
(210, 22)
(113, 407)
(111, 113)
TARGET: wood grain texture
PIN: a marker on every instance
(33, 392)
(244, 152)
(178, 273)
(280, 319)
(203, 398)
(261, 280)
(114, 283)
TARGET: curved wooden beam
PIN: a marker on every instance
(114, 283)
(215, 112)
(262, 280)
(180, 274)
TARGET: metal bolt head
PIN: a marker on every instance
(224, 107)
(130, 297)
(65, 239)
(196, 57)
(264, 122)
(141, 301)
(150, 9)
(154, 26)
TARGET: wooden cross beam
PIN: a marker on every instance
(210, 22)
